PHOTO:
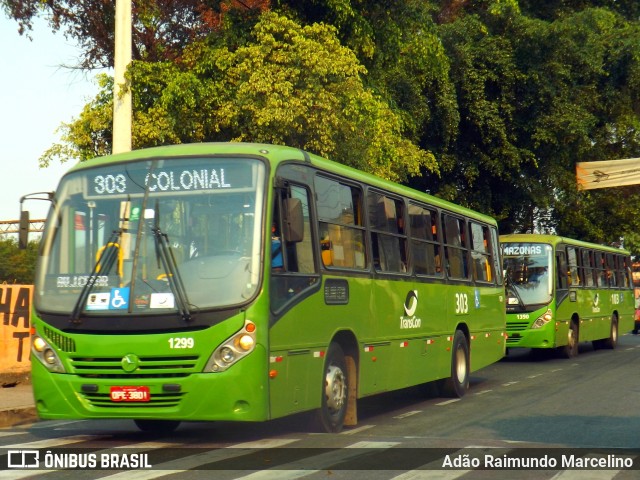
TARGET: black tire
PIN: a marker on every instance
(335, 392)
(570, 350)
(612, 341)
(457, 385)
(157, 426)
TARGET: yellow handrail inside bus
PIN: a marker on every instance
(120, 257)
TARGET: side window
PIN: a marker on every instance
(586, 268)
(600, 269)
(341, 226)
(610, 270)
(480, 252)
(455, 241)
(572, 258)
(388, 233)
(624, 267)
(425, 247)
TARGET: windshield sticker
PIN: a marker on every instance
(119, 299)
(162, 300)
(98, 301)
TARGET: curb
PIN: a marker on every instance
(13, 417)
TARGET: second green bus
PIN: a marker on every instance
(561, 292)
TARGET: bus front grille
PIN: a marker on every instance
(517, 326)
(61, 341)
(147, 367)
(513, 339)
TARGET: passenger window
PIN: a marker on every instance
(341, 226)
(574, 278)
(426, 249)
(480, 252)
(455, 248)
(388, 233)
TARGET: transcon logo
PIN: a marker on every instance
(411, 303)
(410, 307)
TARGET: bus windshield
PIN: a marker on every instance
(528, 272)
(154, 236)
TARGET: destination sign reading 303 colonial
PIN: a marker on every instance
(164, 181)
(171, 177)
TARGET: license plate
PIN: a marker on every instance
(130, 394)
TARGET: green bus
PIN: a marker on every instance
(561, 292)
(246, 282)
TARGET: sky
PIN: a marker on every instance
(37, 95)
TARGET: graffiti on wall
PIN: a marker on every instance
(15, 323)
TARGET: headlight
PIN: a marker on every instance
(46, 354)
(226, 355)
(543, 319)
(245, 342)
(233, 349)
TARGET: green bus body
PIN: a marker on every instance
(158, 297)
(586, 293)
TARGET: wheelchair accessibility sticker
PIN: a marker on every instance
(117, 299)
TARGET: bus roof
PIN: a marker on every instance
(277, 154)
(555, 240)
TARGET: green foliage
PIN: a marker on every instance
(17, 266)
(488, 103)
(290, 84)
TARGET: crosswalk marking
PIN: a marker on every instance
(194, 461)
(352, 431)
(431, 475)
(55, 442)
(408, 414)
(316, 463)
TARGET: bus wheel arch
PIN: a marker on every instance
(338, 405)
(458, 383)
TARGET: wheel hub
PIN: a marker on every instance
(335, 388)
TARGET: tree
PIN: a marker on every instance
(290, 84)
(160, 31)
(17, 266)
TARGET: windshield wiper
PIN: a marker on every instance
(105, 261)
(512, 288)
(165, 254)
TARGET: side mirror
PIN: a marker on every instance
(293, 225)
(23, 230)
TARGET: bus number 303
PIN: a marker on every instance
(181, 342)
(462, 303)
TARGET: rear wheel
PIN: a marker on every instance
(458, 384)
(335, 391)
(157, 426)
(612, 341)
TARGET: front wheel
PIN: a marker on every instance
(458, 384)
(570, 350)
(335, 391)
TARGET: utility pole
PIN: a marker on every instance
(122, 104)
